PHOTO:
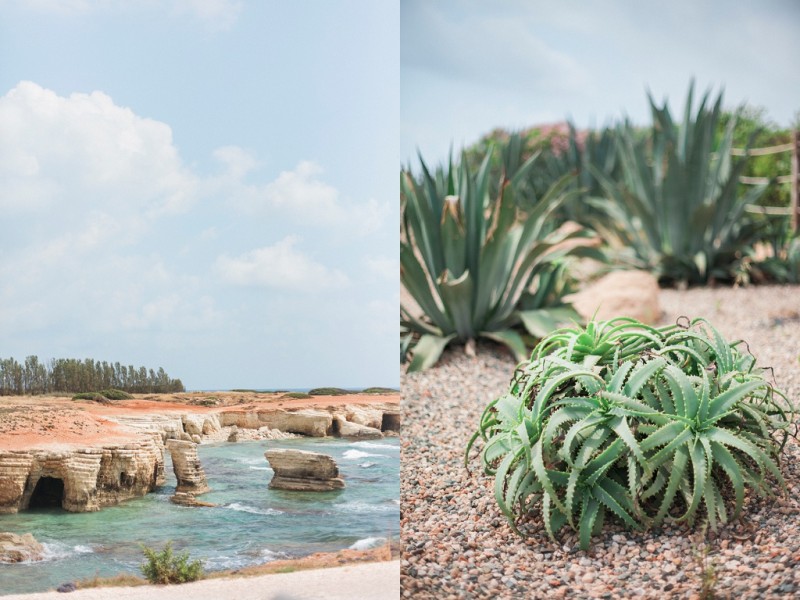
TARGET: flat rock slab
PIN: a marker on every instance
(303, 471)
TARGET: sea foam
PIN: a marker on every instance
(375, 446)
(355, 454)
(252, 509)
(367, 543)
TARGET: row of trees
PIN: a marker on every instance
(74, 375)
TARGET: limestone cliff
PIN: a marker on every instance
(82, 479)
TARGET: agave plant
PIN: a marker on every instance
(638, 423)
(678, 208)
(469, 261)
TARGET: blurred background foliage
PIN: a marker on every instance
(665, 197)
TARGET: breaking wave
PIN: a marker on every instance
(367, 543)
(252, 509)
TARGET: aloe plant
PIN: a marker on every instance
(470, 263)
(634, 422)
(678, 209)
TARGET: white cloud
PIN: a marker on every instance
(65, 154)
(279, 266)
(220, 14)
(385, 267)
(300, 193)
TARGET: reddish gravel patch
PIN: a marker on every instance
(457, 544)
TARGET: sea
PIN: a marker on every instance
(250, 525)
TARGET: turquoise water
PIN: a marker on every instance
(251, 525)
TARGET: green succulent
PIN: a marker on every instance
(474, 267)
(639, 423)
(677, 209)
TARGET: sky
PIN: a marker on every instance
(207, 186)
(468, 67)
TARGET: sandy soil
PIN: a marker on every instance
(44, 421)
(378, 581)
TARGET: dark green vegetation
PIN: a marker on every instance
(76, 376)
(378, 390)
(635, 423)
(328, 391)
(296, 395)
(472, 265)
(485, 254)
(165, 567)
(103, 395)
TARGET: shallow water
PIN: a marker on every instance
(251, 525)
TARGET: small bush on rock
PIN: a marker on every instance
(165, 567)
(638, 423)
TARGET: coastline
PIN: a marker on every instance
(368, 581)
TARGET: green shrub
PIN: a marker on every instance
(475, 267)
(103, 395)
(114, 394)
(638, 423)
(165, 567)
(328, 391)
(378, 390)
(296, 395)
(93, 396)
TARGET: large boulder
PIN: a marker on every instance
(17, 548)
(620, 294)
(346, 429)
(302, 471)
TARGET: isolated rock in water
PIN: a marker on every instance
(65, 588)
(299, 470)
(620, 294)
(17, 548)
(188, 470)
(345, 428)
(188, 499)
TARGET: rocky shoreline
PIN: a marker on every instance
(83, 473)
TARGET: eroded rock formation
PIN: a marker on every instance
(188, 470)
(80, 480)
(314, 423)
(348, 429)
(317, 422)
(302, 471)
(17, 548)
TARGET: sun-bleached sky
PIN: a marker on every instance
(469, 66)
(209, 186)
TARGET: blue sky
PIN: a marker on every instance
(209, 186)
(468, 66)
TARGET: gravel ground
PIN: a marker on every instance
(457, 544)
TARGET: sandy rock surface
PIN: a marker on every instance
(373, 581)
(456, 543)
